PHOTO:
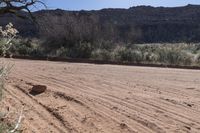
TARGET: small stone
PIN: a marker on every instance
(38, 89)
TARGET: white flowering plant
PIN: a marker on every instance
(7, 34)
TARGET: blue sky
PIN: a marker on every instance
(99, 4)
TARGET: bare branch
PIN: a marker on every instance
(14, 6)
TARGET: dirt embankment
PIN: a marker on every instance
(104, 98)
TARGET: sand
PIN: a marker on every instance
(89, 98)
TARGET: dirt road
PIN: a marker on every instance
(104, 98)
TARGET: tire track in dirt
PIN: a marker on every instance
(79, 102)
(35, 108)
(175, 114)
(149, 124)
(106, 98)
(108, 115)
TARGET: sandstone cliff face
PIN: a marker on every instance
(143, 24)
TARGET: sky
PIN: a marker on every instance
(99, 4)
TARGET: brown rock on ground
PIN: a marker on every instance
(38, 89)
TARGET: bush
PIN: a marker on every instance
(7, 34)
(120, 54)
(26, 47)
(77, 50)
(128, 55)
(150, 57)
(101, 54)
(82, 50)
(170, 54)
(173, 56)
(4, 128)
(197, 58)
(62, 52)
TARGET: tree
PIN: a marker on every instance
(14, 6)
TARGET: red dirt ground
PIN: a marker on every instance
(88, 98)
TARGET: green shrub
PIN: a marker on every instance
(26, 48)
(150, 57)
(173, 56)
(62, 52)
(197, 59)
(3, 128)
(84, 50)
(6, 128)
(128, 55)
(101, 54)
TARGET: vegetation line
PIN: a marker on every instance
(92, 61)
